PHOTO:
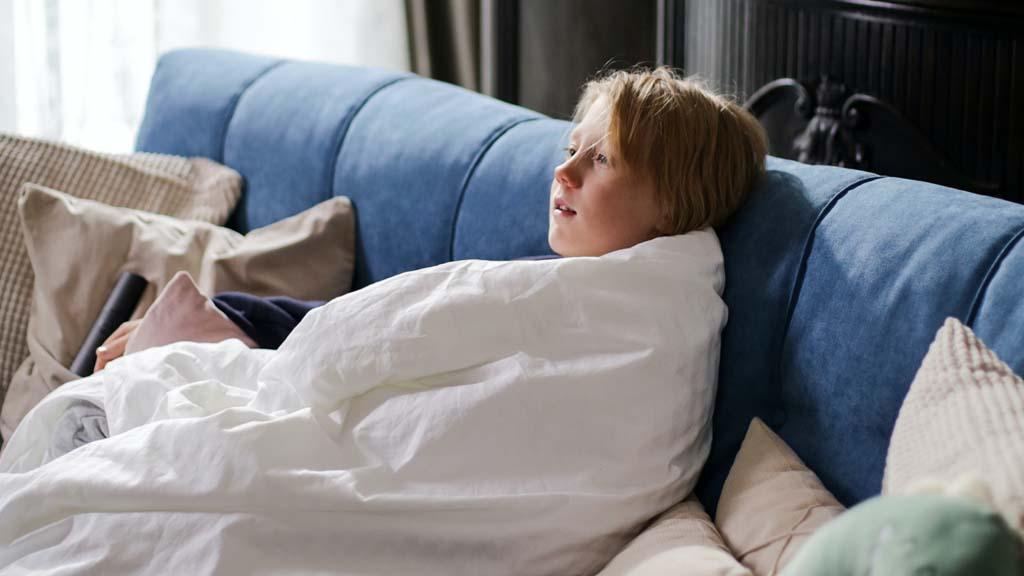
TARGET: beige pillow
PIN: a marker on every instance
(78, 248)
(963, 416)
(187, 188)
(683, 540)
(771, 502)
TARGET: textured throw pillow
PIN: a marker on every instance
(921, 534)
(78, 248)
(963, 414)
(771, 502)
(187, 188)
(683, 540)
(181, 313)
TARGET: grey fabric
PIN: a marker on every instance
(81, 423)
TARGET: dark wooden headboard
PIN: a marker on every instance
(929, 90)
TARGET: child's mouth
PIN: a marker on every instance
(563, 209)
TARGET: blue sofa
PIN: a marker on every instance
(837, 280)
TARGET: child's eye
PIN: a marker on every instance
(569, 151)
(601, 159)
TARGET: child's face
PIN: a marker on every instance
(596, 205)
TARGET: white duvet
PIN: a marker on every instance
(478, 418)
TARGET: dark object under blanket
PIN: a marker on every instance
(268, 321)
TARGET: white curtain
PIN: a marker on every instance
(80, 68)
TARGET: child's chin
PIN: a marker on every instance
(558, 243)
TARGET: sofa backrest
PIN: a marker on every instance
(836, 280)
(435, 172)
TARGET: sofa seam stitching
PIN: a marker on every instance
(237, 98)
(794, 293)
(347, 124)
(979, 294)
(497, 134)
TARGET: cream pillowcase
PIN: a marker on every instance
(771, 502)
(193, 188)
(683, 540)
(78, 248)
(963, 417)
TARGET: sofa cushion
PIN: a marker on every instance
(683, 540)
(285, 135)
(307, 256)
(997, 314)
(964, 414)
(771, 503)
(189, 188)
(412, 176)
(887, 265)
(764, 245)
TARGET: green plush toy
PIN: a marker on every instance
(917, 535)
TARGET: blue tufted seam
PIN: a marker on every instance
(347, 123)
(983, 287)
(779, 415)
(498, 133)
(233, 105)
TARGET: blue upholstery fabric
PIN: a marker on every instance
(889, 262)
(999, 315)
(189, 106)
(406, 162)
(836, 280)
(286, 132)
(509, 191)
(763, 245)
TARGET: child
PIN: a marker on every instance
(478, 417)
(651, 154)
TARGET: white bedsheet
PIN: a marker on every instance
(479, 418)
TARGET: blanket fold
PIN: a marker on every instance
(471, 418)
(81, 423)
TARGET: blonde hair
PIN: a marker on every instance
(704, 152)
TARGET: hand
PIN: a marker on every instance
(114, 346)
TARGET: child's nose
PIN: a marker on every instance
(566, 174)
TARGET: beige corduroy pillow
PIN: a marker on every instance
(771, 502)
(963, 416)
(187, 188)
(683, 540)
(78, 248)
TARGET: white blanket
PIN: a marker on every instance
(478, 418)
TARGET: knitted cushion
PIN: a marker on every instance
(187, 188)
(964, 414)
